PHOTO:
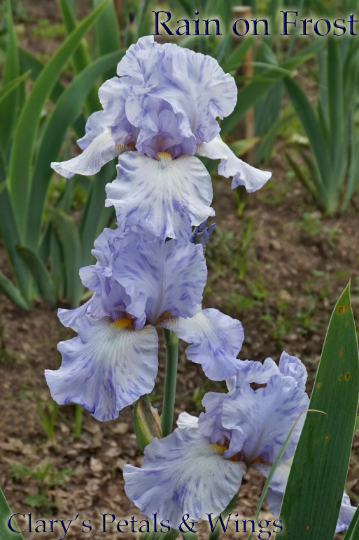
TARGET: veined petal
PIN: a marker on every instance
(182, 474)
(291, 366)
(261, 419)
(69, 317)
(230, 165)
(216, 341)
(197, 88)
(161, 277)
(168, 194)
(101, 150)
(106, 367)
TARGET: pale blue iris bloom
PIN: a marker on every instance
(140, 284)
(198, 469)
(159, 113)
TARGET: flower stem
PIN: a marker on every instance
(170, 382)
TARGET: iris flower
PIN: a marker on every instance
(140, 284)
(198, 469)
(159, 113)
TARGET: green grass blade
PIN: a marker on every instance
(256, 90)
(16, 298)
(316, 481)
(80, 58)
(67, 109)
(39, 273)
(8, 109)
(5, 513)
(24, 141)
(71, 248)
(311, 126)
(353, 529)
(356, 427)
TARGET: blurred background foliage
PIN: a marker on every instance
(48, 225)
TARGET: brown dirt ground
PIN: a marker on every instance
(282, 286)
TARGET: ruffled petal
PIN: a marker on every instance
(291, 366)
(186, 420)
(261, 419)
(106, 367)
(160, 277)
(97, 154)
(243, 174)
(197, 88)
(167, 194)
(216, 341)
(182, 474)
(139, 61)
(69, 317)
(113, 95)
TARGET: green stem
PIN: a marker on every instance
(170, 382)
(215, 534)
(78, 421)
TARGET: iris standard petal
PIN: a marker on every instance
(197, 88)
(261, 419)
(182, 474)
(293, 367)
(161, 277)
(167, 194)
(106, 367)
(243, 174)
(216, 341)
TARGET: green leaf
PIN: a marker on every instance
(236, 57)
(317, 477)
(256, 90)
(170, 535)
(273, 469)
(80, 58)
(107, 33)
(24, 140)
(71, 248)
(67, 109)
(11, 237)
(39, 273)
(16, 298)
(5, 513)
(28, 62)
(335, 104)
(143, 23)
(241, 147)
(9, 88)
(353, 529)
(8, 109)
(95, 215)
(356, 427)
(311, 126)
